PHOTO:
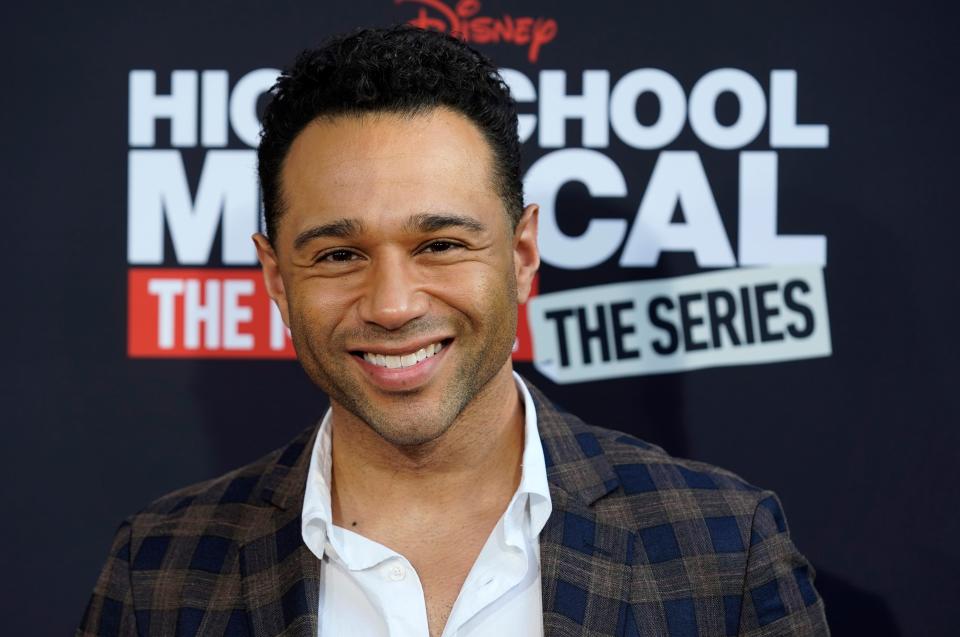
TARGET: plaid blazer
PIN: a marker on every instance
(639, 543)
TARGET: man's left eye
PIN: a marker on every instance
(440, 246)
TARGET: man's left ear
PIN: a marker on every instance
(526, 255)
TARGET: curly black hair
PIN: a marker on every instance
(400, 69)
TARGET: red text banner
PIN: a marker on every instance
(218, 313)
(203, 313)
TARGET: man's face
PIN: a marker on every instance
(397, 269)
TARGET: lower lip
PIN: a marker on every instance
(402, 378)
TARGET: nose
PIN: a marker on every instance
(393, 296)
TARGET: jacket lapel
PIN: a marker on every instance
(280, 576)
(585, 559)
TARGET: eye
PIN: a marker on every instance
(441, 246)
(338, 255)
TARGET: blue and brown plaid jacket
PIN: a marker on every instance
(639, 543)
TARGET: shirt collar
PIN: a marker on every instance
(533, 471)
(531, 503)
(317, 518)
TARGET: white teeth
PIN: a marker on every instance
(403, 360)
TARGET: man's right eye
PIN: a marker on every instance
(337, 255)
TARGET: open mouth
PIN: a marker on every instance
(408, 359)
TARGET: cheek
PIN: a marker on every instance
(317, 307)
(485, 296)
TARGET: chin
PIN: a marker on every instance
(409, 430)
(412, 439)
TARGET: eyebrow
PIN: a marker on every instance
(424, 223)
(432, 222)
(341, 229)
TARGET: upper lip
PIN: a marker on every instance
(391, 349)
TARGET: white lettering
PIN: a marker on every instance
(623, 108)
(602, 178)
(785, 132)
(234, 314)
(703, 101)
(213, 112)
(758, 242)
(158, 190)
(146, 107)
(678, 179)
(166, 291)
(556, 107)
(197, 312)
(243, 104)
(523, 91)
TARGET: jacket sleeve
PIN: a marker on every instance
(778, 593)
(110, 609)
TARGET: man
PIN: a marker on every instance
(441, 494)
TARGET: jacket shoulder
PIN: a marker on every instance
(646, 486)
(624, 450)
(604, 465)
(729, 535)
(224, 503)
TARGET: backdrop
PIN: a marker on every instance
(749, 241)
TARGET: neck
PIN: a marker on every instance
(475, 461)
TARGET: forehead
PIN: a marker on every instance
(384, 167)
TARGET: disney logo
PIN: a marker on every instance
(463, 21)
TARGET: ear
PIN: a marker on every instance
(271, 275)
(526, 255)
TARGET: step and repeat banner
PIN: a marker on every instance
(747, 228)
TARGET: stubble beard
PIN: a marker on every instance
(402, 422)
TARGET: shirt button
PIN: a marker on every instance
(396, 572)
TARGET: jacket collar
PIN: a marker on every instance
(575, 461)
(582, 554)
(280, 576)
(284, 480)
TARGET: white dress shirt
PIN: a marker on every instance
(369, 590)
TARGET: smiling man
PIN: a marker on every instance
(441, 494)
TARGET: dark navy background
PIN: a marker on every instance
(863, 447)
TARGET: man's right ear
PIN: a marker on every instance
(271, 275)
